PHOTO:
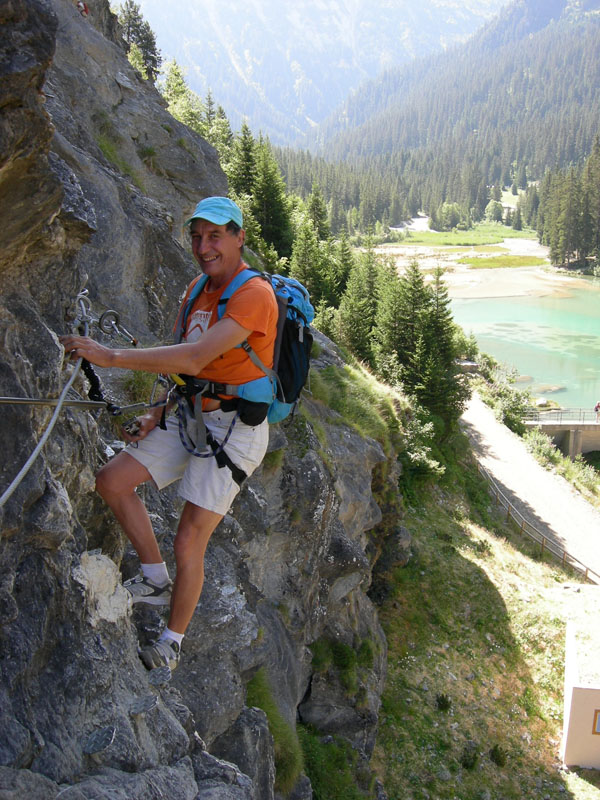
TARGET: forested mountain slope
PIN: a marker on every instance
(524, 92)
(285, 65)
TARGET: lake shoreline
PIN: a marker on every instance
(553, 346)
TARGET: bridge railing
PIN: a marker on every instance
(559, 415)
(547, 545)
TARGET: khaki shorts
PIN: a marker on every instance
(202, 482)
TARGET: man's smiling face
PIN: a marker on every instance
(217, 250)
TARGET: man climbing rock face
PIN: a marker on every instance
(209, 474)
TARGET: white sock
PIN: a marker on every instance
(157, 573)
(172, 635)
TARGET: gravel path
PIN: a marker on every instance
(546, 500)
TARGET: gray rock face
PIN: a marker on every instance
(97, 182)
(24, 130)
(248, 742)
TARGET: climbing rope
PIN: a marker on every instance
(108, 323)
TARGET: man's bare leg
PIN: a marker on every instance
(116, 483)
(195, 529)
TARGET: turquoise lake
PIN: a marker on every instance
(552, 342)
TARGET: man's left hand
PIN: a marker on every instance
(83, 347)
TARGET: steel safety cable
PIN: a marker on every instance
(63, 396)
(28, 464)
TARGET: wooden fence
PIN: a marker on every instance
(547, 545)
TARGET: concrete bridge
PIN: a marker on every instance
(573, 430)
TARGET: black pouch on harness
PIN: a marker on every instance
(252, 413)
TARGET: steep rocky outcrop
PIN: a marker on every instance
(96, 180)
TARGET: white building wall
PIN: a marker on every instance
(581, 744)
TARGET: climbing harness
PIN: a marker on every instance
(108, 323)
(205, 445)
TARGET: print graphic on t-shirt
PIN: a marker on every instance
(197, 326)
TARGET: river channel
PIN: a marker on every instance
(552, 341)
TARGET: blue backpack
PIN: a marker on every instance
(282, 385)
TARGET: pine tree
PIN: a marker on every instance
(335, 215)
(254, 238)
(269, 201)
(219, 134)
(173, 86)
(591, 187)
(131, 20)
(414, 204)
(150, 53)
(330, 286)
(481, 201)
(317, 211)
(136, 60)
(544, 222)
(414, 307)
(517, 221)
(137, 31)
(440, 325)
(325, 319)
(344, 263)
(370, 266)
(387, 334)
(242, 170)
(306, 263)
(355, 315)
(438, 385)
(569, 220)
(183, 104)
(209, 105)
(529, 207)
(352, 220)
(586, 227)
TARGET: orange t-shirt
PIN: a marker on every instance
(253, 306)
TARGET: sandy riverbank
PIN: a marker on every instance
(520, 282)
(464, 282)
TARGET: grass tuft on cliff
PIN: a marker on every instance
(369, 406)
(475, 625)
(332, 766)
(289, 760)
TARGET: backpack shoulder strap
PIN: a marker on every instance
(240, 279)
(185, 309)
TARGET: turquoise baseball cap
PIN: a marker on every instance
(219, 210)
